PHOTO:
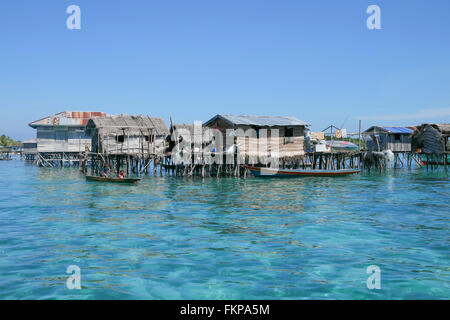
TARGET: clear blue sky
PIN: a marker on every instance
(193, 59)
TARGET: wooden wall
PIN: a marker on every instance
(132, 145)
(288, 147)
(258, 147)
(62, 139)
(388, 142)
(299, 131)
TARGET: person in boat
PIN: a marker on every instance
(121, 174)
(105, 170)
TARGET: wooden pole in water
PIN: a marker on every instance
(359, 136)
(445, 161)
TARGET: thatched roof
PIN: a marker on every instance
(130, 125)
(444, 128)
(205, 134)
(188, 127)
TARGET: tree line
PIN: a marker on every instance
(7, 142)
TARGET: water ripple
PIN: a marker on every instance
(192, 238)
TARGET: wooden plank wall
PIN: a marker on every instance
(132, 145)
(388, 142)
(258, 147)
(62, 139)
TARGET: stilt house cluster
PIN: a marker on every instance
(140, 142)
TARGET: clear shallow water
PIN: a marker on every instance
(179, 238)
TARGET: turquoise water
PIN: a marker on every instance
(193, 238)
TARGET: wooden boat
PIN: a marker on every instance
(434, 160)
(113, 180)
(269, 172)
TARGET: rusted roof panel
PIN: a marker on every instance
(68, 118)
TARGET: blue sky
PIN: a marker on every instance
(190, 60)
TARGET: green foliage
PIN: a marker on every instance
(7, 142)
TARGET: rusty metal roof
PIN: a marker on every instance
(68, 118)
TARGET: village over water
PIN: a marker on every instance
(225, 145)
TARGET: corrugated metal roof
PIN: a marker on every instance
(398, 130)
(67, 118)
(260, 121)
(404, 130)
(442, 127)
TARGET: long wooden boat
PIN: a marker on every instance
(269, 172)
(113, 180)
(434, 161)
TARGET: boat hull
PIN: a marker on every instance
(286, 173)
(113, 180)
(434, 160)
